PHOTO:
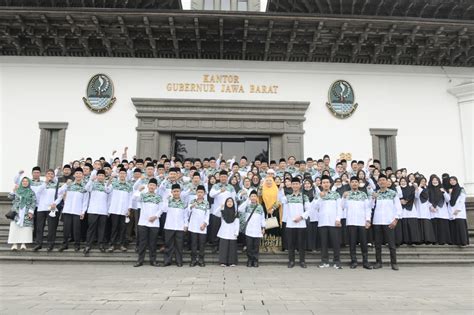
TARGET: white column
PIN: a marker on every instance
(465, 95)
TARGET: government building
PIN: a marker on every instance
(390, 80)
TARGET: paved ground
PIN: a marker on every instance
(122, 289)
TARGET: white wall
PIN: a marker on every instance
(412, 99)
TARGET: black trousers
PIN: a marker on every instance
(382, 232)
(117, 234)
(198, 241)
(41, 217)
(174, 246)
(215, 224)
(148, 239)
(72, 226)
(52, 228)
(357, 234)
(296, 239)
(228, 252)
(253, 245)
(330, 235)
(35, 218)
(96, 229)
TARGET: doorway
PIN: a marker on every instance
(229, 145)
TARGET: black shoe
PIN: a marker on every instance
(291, 264)
(138, 264)
(179, 265)
(153, 264)
(303, 264)
(255, 264)
(50, 249)
(367, 266)
(201, 263)
(193, 263)
(102, 248)
(353, 265)
(77, 248)
(87, 250)
(63, 248)
(377, 266)
(167, 264)
(37, 248)
(394, 267)
(249, 263)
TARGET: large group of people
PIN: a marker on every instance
(220, 203)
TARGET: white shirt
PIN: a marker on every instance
(151, 205)
(99, 194)
(220, 197)
(256, 222)
(120, 198)
(443, 211)
(229, 231)
(75, 200)
(176, 214)
(47, 192)
(423, 207)
(460, 205)
(198, 215)
(294, 209)
(329, 209)
(357, 208)
(387, 207)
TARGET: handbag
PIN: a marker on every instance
(10, 215)
(271, 223)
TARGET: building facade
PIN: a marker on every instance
(196, 83)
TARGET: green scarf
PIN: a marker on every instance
(25, 194)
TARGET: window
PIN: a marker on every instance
(51, 146)
(384, 147)
(225, 5)
(242, 5)
(208, 4)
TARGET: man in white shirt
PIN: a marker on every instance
(388, 210)
(357, 206)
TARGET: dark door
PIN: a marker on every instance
(202, 147)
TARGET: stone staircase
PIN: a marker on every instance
(407, 255)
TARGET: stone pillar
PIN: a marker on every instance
(465, 95)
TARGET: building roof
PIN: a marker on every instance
(421, 9)
(268, 36)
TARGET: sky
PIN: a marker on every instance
(187, 4)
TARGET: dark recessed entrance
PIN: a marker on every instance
(228, 145)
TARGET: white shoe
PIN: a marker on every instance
(223, 265)
(23, 247)
(322, 265)
(232, 265)
(14, 247)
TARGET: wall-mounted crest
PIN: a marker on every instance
(100, 93)
(341, 99)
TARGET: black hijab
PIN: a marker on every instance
(229, 214)
(424, 195)
(455, 192)
(445, 180)
(436, 196)
(309, 193)
(408, 194)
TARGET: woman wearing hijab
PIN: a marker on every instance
(255, 182)
(270, 203)
(457, 209)
(312, 221)
(24, 203)
(410, 228)
(438, 198)
(228, 233)
(427, 233)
